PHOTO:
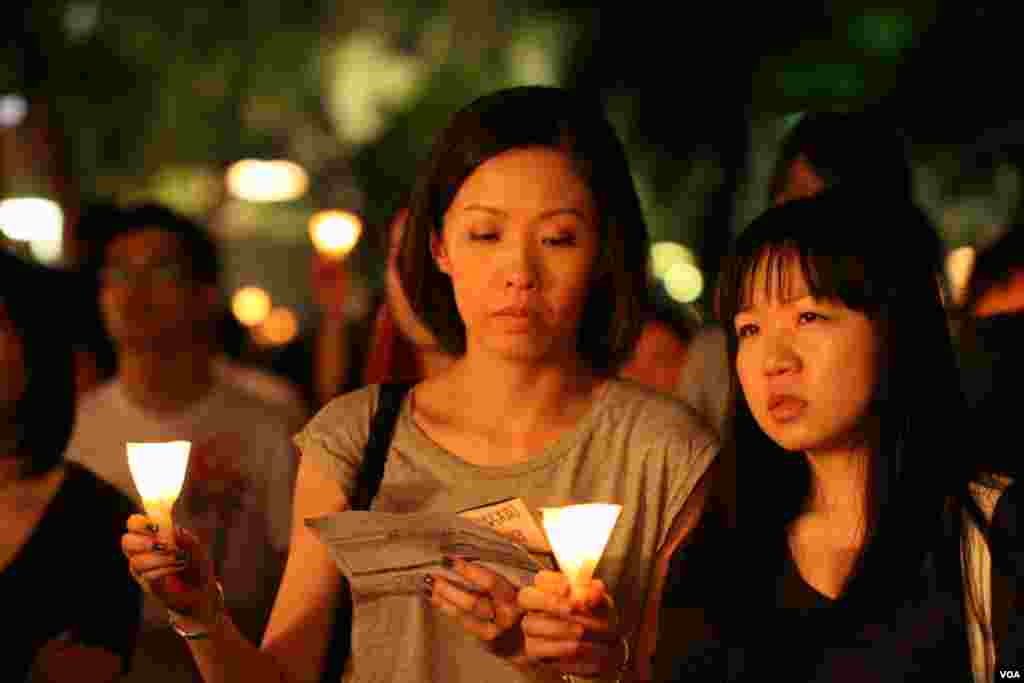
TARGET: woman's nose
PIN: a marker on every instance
(781, 357)
(520, 270)
(520, 279)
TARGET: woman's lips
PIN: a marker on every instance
(513, 312)
(515, 319)
(785, 407)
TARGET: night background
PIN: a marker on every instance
(125, 101)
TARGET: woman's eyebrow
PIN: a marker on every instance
(565, 211)
(550, 213)
(480, 207)
(747, 307)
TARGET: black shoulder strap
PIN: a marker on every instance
(382, 427)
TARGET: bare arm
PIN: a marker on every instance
(299, 628)
(685, 521)
(297, 635)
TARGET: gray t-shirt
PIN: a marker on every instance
(643, 450)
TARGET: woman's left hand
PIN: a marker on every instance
(491, 612)
(577, 635)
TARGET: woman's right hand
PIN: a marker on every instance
(181, 576)
(574, 634)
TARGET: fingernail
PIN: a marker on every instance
(152, 528)
(447, 562)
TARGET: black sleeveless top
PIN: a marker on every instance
(810, 637)
(70, 577)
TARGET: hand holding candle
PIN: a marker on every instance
(558, 604)
(158, 470)
(578, 535)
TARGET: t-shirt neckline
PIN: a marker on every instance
(547, 456)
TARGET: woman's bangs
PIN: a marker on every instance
(771, 271)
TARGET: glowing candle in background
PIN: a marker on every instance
(335, 233)
(267, 180)
(578, 535)
(158, 470)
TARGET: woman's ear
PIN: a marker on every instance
(440, 254)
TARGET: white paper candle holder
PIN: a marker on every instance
(578, 535)
(158, 470)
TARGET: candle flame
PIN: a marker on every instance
(158, 470)
(578, 535)
(335, 233)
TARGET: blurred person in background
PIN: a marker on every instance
(159, 299)
(96, 358)
(327, 359)
(661, 350)
(992, 349)
(232, 364)
(830, 148)
(93, 353)
(402, 348)
(73, 606)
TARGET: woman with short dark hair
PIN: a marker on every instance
(512, 119)
(525, 254)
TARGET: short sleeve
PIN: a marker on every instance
(336, 436)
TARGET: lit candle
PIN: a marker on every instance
(578, 535)
(159, 473)
(335, 233)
